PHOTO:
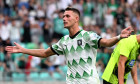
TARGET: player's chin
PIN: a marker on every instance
(66, 26)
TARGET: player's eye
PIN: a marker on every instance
(67, 16)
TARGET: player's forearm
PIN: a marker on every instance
(109, 42)
(121, 68)
(35, 52)
(112, 41)
(134, 74)
(135, 79)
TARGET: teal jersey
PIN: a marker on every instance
(127, 47)
(80, 52)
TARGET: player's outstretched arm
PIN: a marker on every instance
(121, 69)
(34, 52)
(134, 74)
(110, 42)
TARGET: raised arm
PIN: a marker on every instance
(134, 74)
(110, 42)
(34, 52)
(121, 69)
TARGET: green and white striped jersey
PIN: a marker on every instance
(80, 52)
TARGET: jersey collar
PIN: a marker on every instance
(72, 37)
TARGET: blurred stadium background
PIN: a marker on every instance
(38, 24)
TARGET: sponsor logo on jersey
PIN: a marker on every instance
(131, 63)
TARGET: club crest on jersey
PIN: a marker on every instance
(79, 42)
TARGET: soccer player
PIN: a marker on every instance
(79, 48)
(123, 61)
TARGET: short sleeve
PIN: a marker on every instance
(57, 48)
(94, 40)
(125, 47)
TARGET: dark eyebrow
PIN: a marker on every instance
(66, 15)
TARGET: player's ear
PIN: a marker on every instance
(77, 18)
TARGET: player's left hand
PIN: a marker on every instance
(126, 32)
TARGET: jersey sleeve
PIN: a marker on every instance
(126, 47)
(57, 48)
(94, 40)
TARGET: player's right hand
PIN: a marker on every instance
(126, 32)
(14, 49)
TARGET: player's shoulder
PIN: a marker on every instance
(88, 32)
(64, 38)
(89, 35)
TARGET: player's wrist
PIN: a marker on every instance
(118, 37)
(23, 50)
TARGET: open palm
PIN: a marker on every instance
(126, 32)
(14, 49)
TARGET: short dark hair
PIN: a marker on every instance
(61, 11)
(73, 9)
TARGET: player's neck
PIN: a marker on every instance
(73, 30)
